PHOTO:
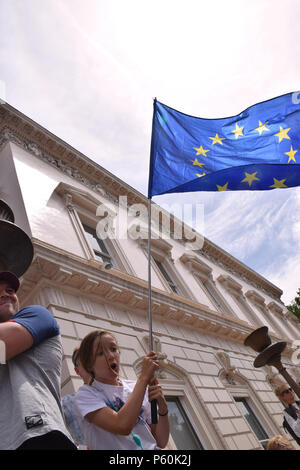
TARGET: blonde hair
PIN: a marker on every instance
(280, 443)
(278, 390)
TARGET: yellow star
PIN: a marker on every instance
(200, 176)
(283, 134)
(217, 139)
(201, 151)
(278, 184)
(250, 177)
(195, 162)
(223, 188)
(238, 131)
(291, 154)
(262, 127)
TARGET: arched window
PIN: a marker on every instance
(191, 426)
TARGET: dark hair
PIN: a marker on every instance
(87, 355)
(75, 356)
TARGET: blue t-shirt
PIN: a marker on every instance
(38, 321)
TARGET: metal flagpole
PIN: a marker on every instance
(154, 402)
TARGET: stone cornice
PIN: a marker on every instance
(53, 267)
(231, 264)
(255, 297)
(230, 284)
(17, 128)
(196, 266)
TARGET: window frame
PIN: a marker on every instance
(203, 275)
(83, 208)
(249, 406)
(234, 289)
(104, 256)
(167, 277)
(161, 251)
(187, 419)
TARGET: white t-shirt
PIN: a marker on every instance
(100, 395)
(294, 423)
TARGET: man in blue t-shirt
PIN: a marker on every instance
(30, 404)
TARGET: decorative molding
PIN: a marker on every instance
(161, 357)
(238, 269)
(256, 298)
(273, 377)
(196, 266)
(228, 374)
(88, 277)
(231, 285)
(160, 248)
(274, 307)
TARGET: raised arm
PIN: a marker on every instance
(28, 327)
(123, 421)
(16, 339)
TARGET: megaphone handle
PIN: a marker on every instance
(154, 412)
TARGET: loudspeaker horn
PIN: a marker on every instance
(16, 249)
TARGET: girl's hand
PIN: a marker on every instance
(149, 366)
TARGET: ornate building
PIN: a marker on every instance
(204, 302)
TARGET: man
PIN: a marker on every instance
(30, 407)
(72, 416)
(291, 412)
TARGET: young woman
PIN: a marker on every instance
(117, 412)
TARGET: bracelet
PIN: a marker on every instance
(163, 414)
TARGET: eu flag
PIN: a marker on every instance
(259, 149)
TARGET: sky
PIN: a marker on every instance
(89, 71)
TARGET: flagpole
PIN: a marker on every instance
(153, 402)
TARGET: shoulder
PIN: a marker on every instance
(32, 311)
(38, 321)
(84, 391)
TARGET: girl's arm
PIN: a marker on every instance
(123, 421)
(161, 430)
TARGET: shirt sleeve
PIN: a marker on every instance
(294, 423)
(88, 399)
(38, 321)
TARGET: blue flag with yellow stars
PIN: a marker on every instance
(258, 149)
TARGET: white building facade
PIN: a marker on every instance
(204, 301)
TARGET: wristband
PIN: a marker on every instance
(163, 414)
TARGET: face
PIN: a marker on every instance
(107, 363)
(288, 396)
(9, 304)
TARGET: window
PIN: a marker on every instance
(167, 276)
(235, 290)
(99, 247)
(212, 293)
(252, 420)
(203, 275)
(181, 430)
